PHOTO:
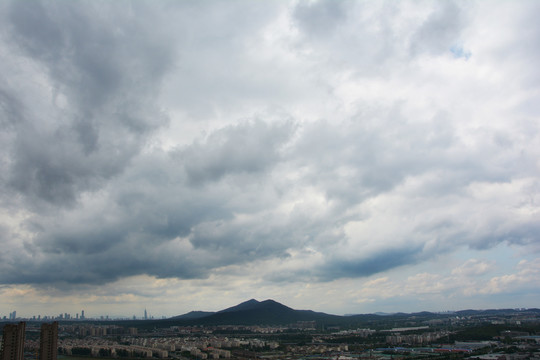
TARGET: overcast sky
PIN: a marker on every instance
(339, 156)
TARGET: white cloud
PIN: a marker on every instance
(526, 276)
(473, 267)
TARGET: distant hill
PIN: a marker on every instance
(253, 312)
(270, 312)
(194, 315)
(495, 312)
(383, 313)
(246, 305)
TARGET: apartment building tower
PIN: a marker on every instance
(13, 342)
(48, 342)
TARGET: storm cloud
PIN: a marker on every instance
(310, 142)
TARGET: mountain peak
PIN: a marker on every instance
(250, 301)
(246, 305)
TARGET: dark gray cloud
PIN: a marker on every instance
(354, 36)
(105, 79)
(366, 266)
(278, 157)
(160, 219)
(374, 155)
(320, 17)
(211, 204)
(440, 31)
(249, 147)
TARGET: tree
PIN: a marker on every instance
(105, 352)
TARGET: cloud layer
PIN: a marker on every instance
(310, 142)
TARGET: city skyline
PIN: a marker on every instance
(144, 316)
(68, 316)
(341, 156)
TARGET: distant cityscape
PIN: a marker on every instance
(269, 330)
(69, 317)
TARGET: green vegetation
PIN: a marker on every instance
(489, 332)
(81, 351)
(295, 338)
(122, 353)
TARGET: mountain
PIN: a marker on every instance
(246, 305)
(193, 315)
(270, 312)
(253, 312)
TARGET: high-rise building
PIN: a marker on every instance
(48, 341)
(13, 342)
(145, 315)
(82, 314)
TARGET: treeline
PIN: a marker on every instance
(490, 331)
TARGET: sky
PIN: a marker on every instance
(339, 156)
